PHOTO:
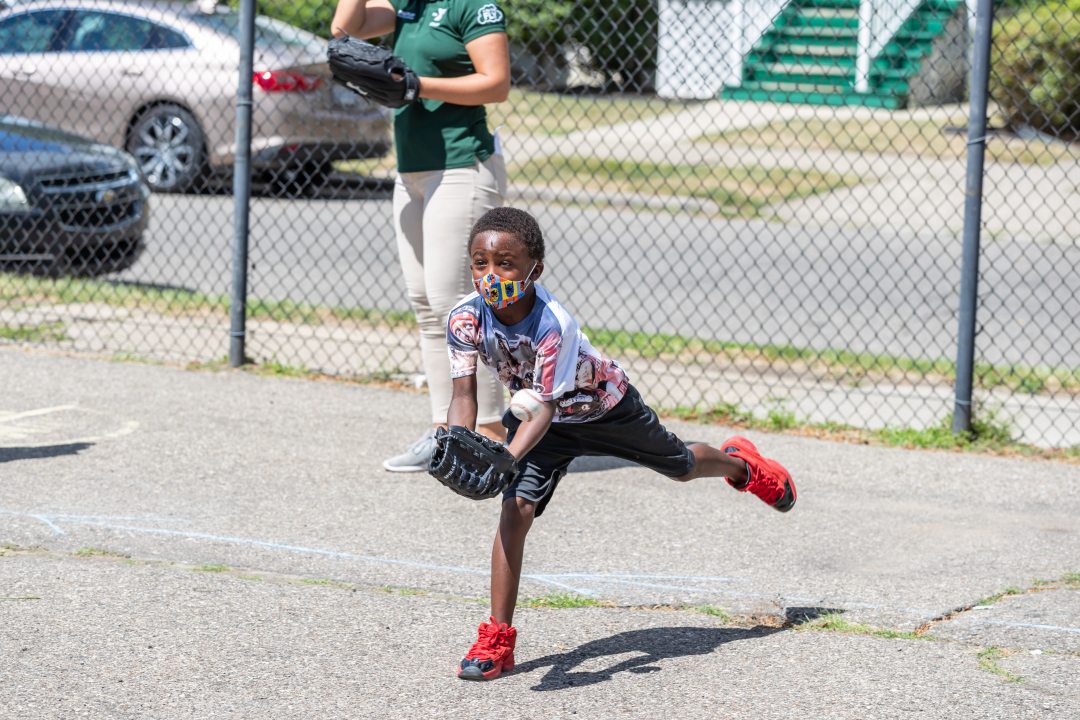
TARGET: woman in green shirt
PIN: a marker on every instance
(450, 171)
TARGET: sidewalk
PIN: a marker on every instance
(199, 544)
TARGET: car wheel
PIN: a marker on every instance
(169, 145)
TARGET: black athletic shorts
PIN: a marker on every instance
(630, 431)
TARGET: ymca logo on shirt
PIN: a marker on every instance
(488, 14)
(437, 17)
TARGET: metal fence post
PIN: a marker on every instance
(242, 185)
(969, 273)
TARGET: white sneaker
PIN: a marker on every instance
(416, 458)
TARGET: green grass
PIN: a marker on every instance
(43, 332)
(833, 622)
(212, 568)
(988, 661)
(890, 137)
(1071, 580)
(98, 552)
(997, 597)
(853, 367)
(739, 190)
(843, 364)
(555, 114)
(562, 601)
(717, 612)
(177, 302)
(989, 434)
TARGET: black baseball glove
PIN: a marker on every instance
(372, 71)
(470, 464)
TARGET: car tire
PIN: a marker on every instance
(169, 146)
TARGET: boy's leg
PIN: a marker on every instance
(493, 652)
(525, 499)
(506, 557)
(631, 430)
(745, 469)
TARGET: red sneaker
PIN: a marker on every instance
(492, 654)
(768, 478)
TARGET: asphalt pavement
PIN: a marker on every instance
(197, 544)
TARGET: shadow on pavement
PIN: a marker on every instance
(649, 647)
(11, 454)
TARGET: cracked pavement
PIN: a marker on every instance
(219, 544)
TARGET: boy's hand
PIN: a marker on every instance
(470, 464)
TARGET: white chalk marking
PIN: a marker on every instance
(13, 436)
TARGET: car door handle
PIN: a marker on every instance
(25, 70)
(132, 72)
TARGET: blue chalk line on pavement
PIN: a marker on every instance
(553, 579)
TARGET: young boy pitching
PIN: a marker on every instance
(520, 332)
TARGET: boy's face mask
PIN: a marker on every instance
(499, 292)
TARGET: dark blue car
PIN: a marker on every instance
(68, 205)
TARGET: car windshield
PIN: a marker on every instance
(268, 32)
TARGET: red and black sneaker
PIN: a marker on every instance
(767, 478)
(492, 654)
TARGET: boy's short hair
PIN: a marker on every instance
(515, 222)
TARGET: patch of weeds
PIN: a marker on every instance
(563, 601)
(988, 661)
(45, 332)
(99, 552)
(327, 582)
(212, 568)
(716, 612)
(1071, 580)
(997, 597)
(252, 578)
(719, 414)
(274, 368)
(989, 433)
(779, 418)
(833, 622)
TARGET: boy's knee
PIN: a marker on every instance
(518, 511)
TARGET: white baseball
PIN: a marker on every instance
(526, 404)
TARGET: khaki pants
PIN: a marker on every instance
(433, 214)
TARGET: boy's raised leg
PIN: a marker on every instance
(739, 461)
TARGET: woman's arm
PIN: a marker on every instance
(363, 18)
(490, 55)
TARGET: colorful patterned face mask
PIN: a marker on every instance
(499, 292)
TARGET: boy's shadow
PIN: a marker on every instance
(11, 454)
(650, 646)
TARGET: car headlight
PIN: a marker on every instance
(12, 196)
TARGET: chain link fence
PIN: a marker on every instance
(756, 205)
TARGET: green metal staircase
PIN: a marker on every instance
(808, 56)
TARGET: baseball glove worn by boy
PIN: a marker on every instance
(470, 464)
(372, 71)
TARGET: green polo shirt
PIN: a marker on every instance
(430, 35)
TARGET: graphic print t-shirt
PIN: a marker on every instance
(546, 352)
